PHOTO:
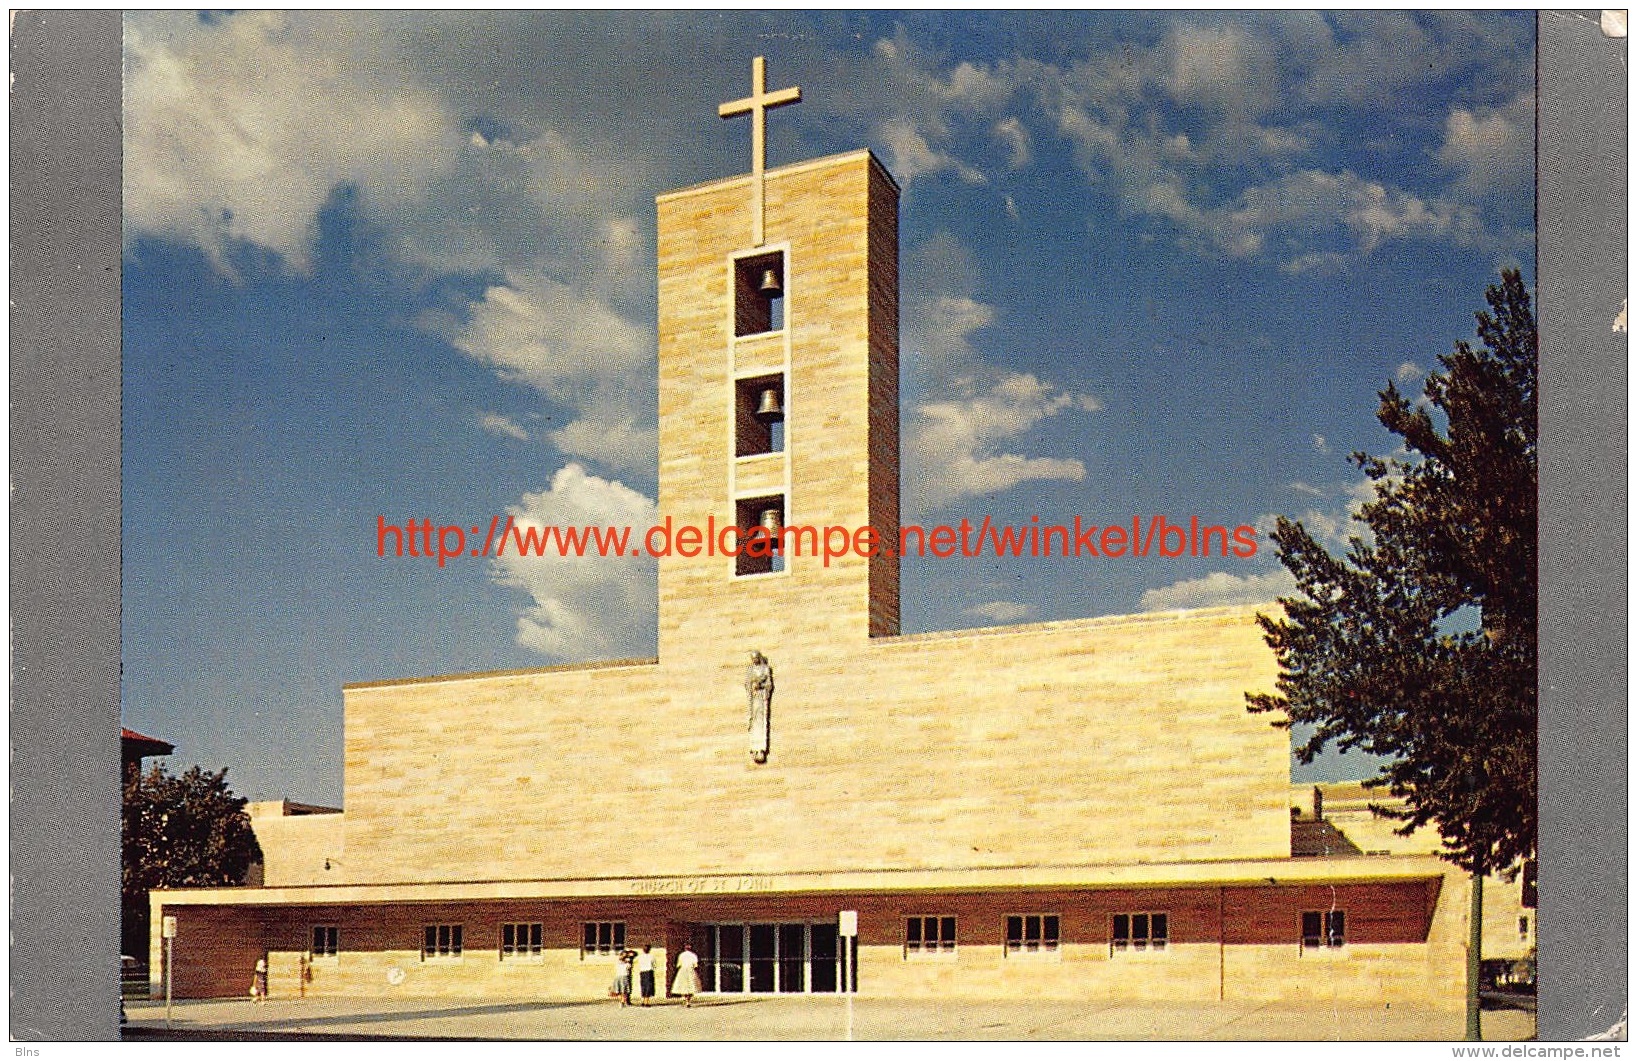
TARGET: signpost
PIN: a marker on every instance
(168, 929)
(849, 934)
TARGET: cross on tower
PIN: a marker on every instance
(757, 104)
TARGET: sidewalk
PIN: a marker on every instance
(804, 1018)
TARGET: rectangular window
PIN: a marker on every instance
(1523, 928)
(1139, 932)
(520, 940)
(1324, 928)
(602, 937)
(929, 935)
(442, 941)
(326, 941)
(1031, 934)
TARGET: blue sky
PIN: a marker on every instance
(403, 265)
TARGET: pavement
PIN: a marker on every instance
(806, 1018)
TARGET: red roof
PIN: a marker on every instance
(132, 741)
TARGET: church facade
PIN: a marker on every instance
(1078, 809)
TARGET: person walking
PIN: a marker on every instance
(686, 983)
(645, 972)
(258, 982)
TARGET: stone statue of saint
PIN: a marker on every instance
(759, 688)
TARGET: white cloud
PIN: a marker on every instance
(910, 156)
(1220, 588)
(1207, 127)
(1315, 202)
(1000, 611)
(957, 446)
(496, 424)
(1319, 263)
(1409, 372)
(1333, 525)
(1320, 443)
(237, 131)
(616, 443)
(966, 419)
(551, 336)
(1491, 148)
(1012, 133)
(240, 129)
(968, 88)
(588, 607)
(1222, 67)
(576, 350)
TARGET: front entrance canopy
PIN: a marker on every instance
(1362, 870)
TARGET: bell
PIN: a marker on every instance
(768, 410)
(770, 286)
(772, 521)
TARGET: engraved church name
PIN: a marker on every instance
(698, 886)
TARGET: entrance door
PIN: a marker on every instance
(764, 959)
(702, 938)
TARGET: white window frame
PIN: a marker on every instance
(452, 951)
(941, 949)
(616, 936)
(533, 934)
(328, 955)
(1131, 945)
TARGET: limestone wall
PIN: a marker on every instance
(298, 848)
(1095, 742)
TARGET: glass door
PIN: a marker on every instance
(785, 958)
(792, 959)
(763, 958)
(730, 959)
(702, 938)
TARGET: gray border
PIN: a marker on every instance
(1581, 268)
(65, 248)
(65, 464)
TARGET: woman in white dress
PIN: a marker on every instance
(686, 983)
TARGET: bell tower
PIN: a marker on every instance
(778, 398)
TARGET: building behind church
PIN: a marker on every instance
(1079, 809)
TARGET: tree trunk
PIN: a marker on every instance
(1474, 959)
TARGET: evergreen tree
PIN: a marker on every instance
(1419, 644)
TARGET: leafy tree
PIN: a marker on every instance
(187, 831)
(1419, 644)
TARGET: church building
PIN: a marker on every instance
(1080, 809)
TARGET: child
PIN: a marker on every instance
(622, 977)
